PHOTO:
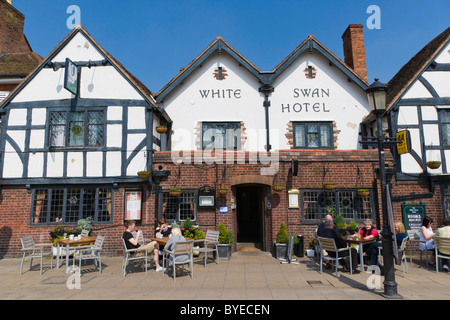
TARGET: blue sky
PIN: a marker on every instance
(153, 39)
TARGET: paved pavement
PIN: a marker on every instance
(246, 276)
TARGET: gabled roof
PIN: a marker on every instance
(310, 44)
(266, 78)
(138, 85)
(416, 66)
(218, 45)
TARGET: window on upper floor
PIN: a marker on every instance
(444, 115)
(221, 135)
(313, 135)
(77, 129)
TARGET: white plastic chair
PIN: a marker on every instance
(329, 245)
(32, 250)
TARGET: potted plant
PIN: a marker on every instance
(225, 242)
(144, 174)
(313, 247)
(278, 187)
(161, 129)
(362, 192)
(189, 230)
(329, 186)
(222, 191)
(433, 164)
(58, 232)
(282, 241)
(174, 192)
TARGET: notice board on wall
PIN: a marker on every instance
(133, 205)
(413, 215)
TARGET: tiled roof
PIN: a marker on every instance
(411, 70)
(18, 64)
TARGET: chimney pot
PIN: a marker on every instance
(354, 51)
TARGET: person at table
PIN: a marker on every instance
(170, 245)
(132, 242)
(330, 233)
(163, 230)
(368, 232)
(321, 226)
(444, 232)
(426, 239)
(372, 251)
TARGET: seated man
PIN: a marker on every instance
(132, 243)
(328, 232)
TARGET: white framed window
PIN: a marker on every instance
(221, 135)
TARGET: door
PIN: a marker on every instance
(249, 214)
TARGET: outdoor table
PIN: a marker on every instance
(361, 242)
(163, 241)
(71, 243)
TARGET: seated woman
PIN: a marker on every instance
(372, 252)
(368, 232)
(426, 239)
(170, 245)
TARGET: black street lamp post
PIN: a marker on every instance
(376, 94)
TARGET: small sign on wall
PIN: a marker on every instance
(293, 198)
(71, 77)
(133, 205)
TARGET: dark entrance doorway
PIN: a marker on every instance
(249, 214)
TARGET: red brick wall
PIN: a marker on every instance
(341, 168)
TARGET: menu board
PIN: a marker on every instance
(133, 204)
(413, 215)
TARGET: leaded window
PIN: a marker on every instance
(179, 208)
(226, 135)
(316, 204)
(77, 128)
(313, 135)
(445, 126)
(68, 205)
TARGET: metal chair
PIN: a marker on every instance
(181, 254)
(441, 243)
(37, 251)
(129, 255)
(91, 252)
(329, 245)
(209, 244)
(85, 232)
(401, 254)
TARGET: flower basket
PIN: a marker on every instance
(362, 193)
(175, 192)
(144, 174)
(433, 164)
(278, 187)
(222, 191)
(329, 186)
(161, 129)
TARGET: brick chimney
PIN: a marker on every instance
(12, 39)
(354, 52)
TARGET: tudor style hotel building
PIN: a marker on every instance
(276, 139)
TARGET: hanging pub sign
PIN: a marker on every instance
(206, 197)
(133, 205)
(71, 77)
(405, 142)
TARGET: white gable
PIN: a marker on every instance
(102, 82)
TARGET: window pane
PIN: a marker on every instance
(187, 206)
(89, 203)
(95, 129)
(313, 136)
(445, 134)
(299, 132)
(221, 136)
(57, 206)
(445, 115)
(325, 135)
(170, 207)
(40, 206)
(57, 129)
(104, 204)
(346, 204)
(311, 205)
(76, 129)
(73, 205)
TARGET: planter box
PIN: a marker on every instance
(280, 250)
(224, 251)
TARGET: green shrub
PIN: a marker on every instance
(283, 235)
(225, 236)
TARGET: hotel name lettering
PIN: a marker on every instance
(298, 93)
(307, 93)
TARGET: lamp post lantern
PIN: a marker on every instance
(376, 94)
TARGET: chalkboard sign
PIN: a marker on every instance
(413, 215)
